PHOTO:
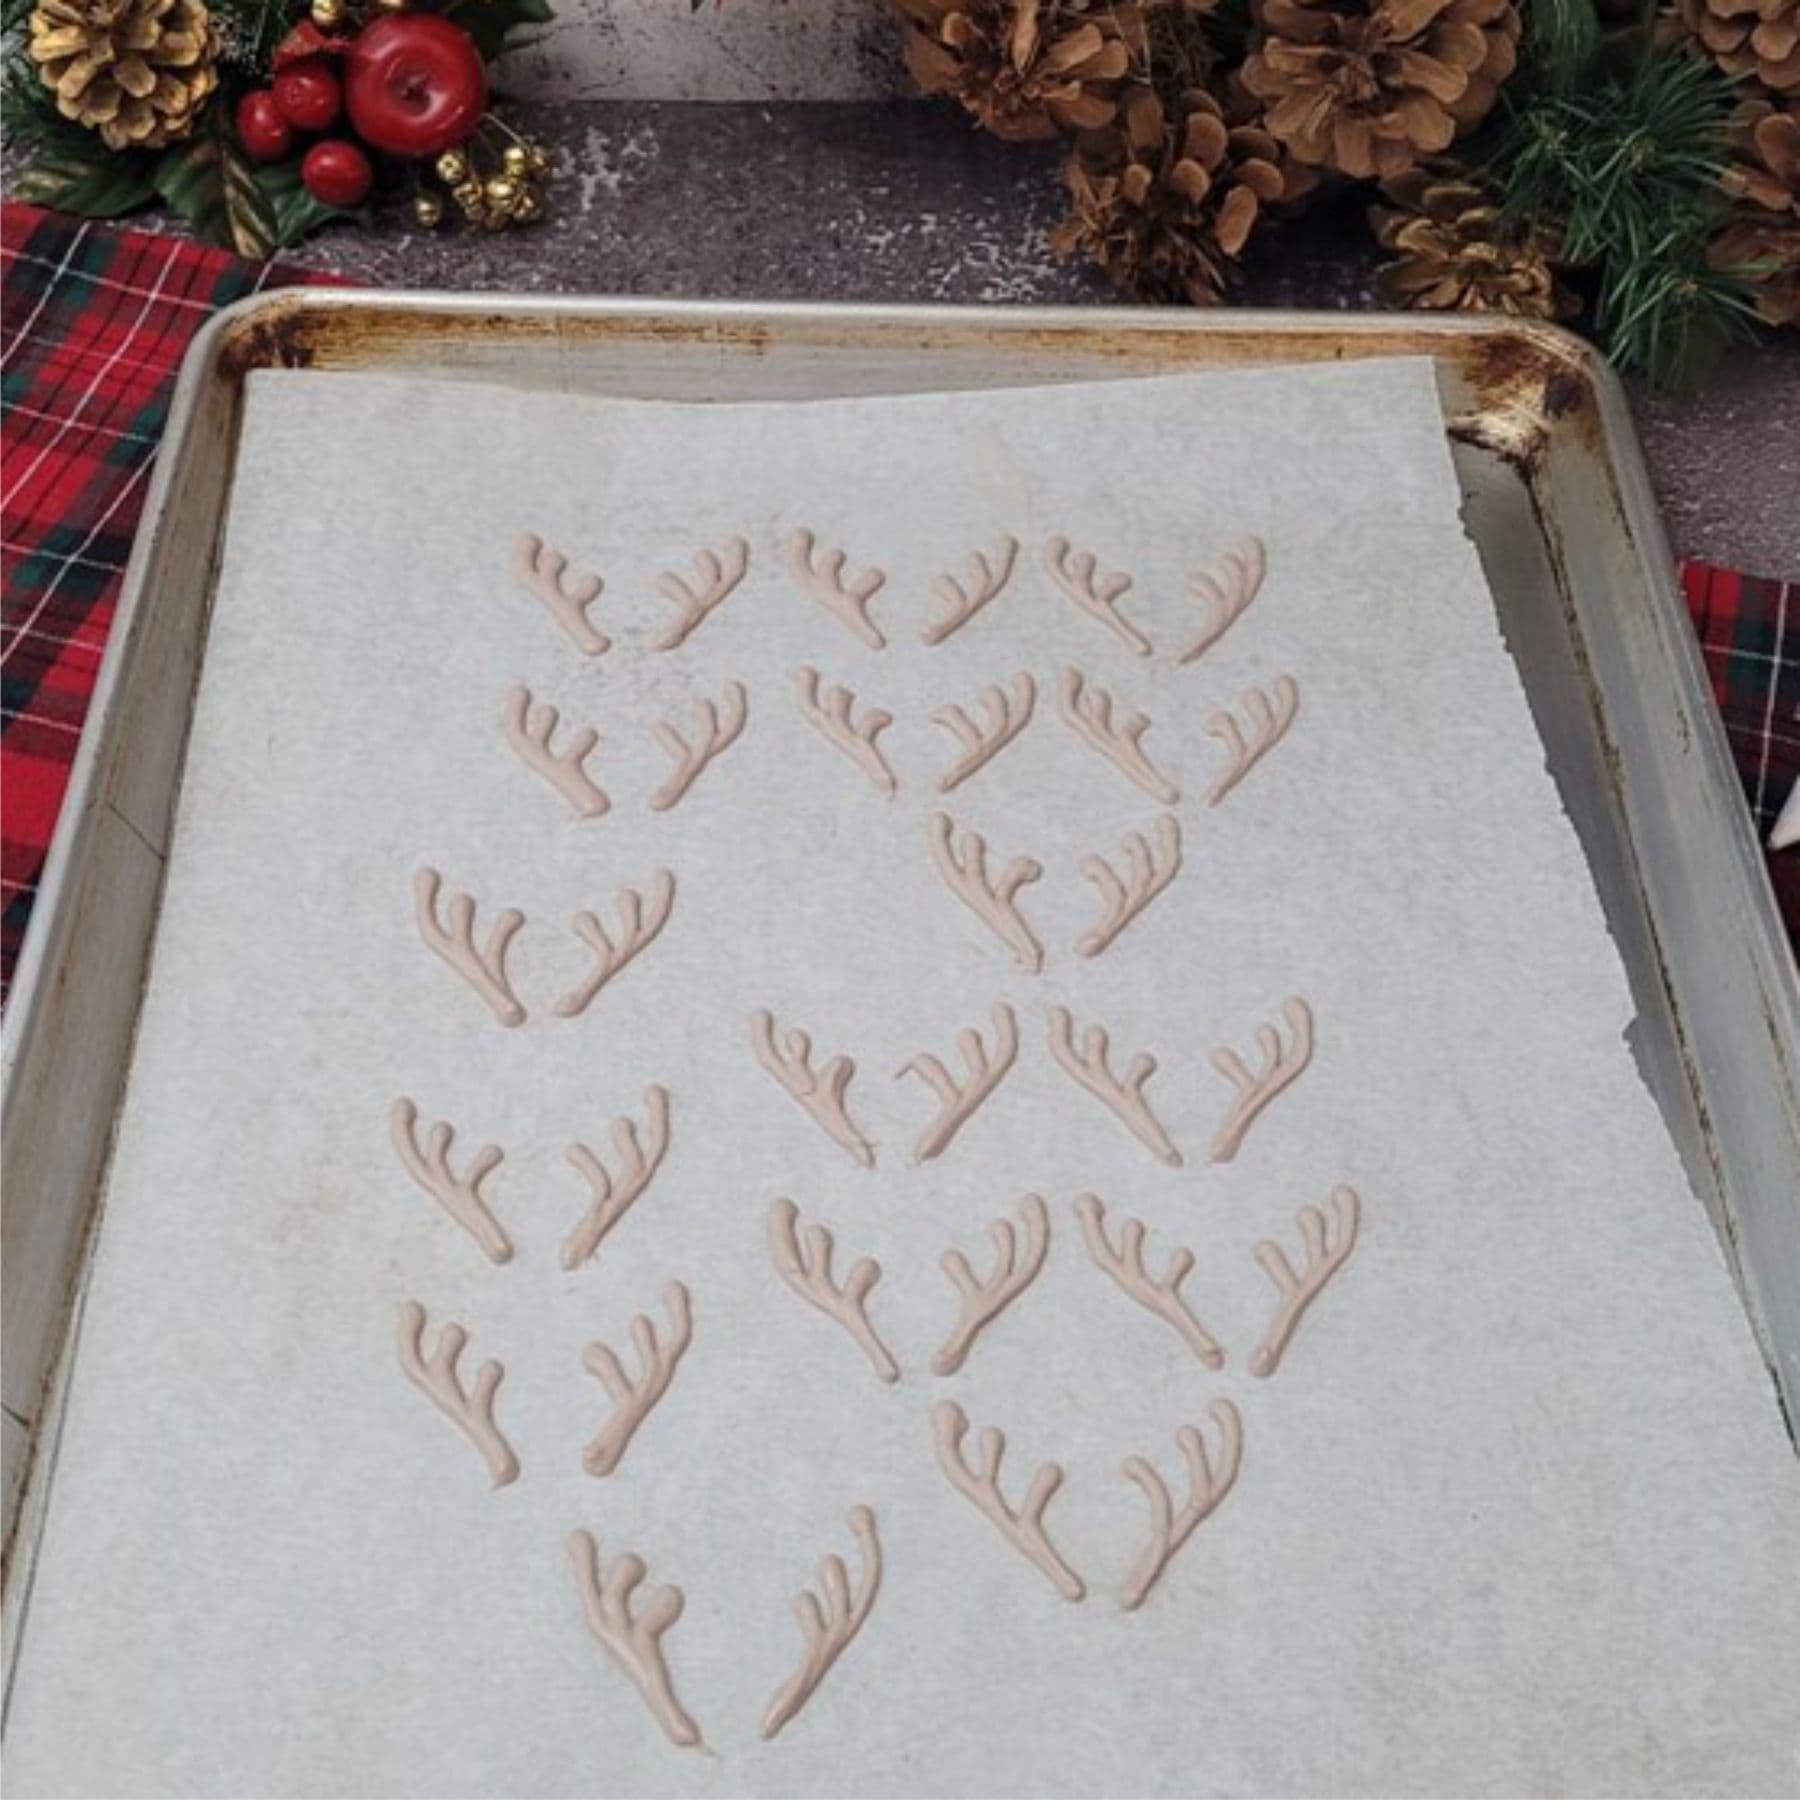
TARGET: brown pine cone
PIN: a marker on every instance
(136, 71)
(1452, 255)
(1757, 41)
(1165, 201)
(1761, 238)
(1026, 68)
(1373, 87)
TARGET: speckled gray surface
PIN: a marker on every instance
(906, 202)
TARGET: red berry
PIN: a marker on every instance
(265, 135)
(337, 172)
(414, 84)
(307, 93)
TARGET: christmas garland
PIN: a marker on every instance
(258, 126)
(1635, 171)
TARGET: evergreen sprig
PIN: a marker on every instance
(1619, 152)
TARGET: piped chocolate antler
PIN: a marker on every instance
(822, 1094)
(638, 927)
(1169, 1530)
(529, 730)
(803, 1261)
(459, 1195)
(962, 601)
(1123, 1264)
(1325, 1255)
(470, 1410)
(1280, 1067)
(539, 571)
(634, 1401)
(1016, 1267)
(1224, 597)
(958, 1100)
(717, 579)
(1076, 573)
(632, 1637)
(822, 579)
(1269, 722)
(1147, 873)
(638, 1162)
(1088, 713)
(1123, 1095)
(718, 729)
(1022, 1526)
(964, 869)
(485, 969)
(829, 1629)
(830, 713)
(1008, 713)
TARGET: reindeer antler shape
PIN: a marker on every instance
(962, 602)
(1169, 1530)
(638, 1159)
(459, 1195)
(1269, 722)
(828, 1630)
(965, 871)
(1224, 597)
(1007, 715)
(822, 579)
(638, 927)
(717, 579)
(718, 729)
(1016, 1267)
(539, 571)
(1123, 1264)
(1325, 1255)
(1088, 713)
(529, 730)
(1147, 873)
(960, 1099)
(1075, 572)
(633, 1639)
(830, 714)
(822, 1093)
(1124, 1095)
(1022, 1526)
(634, 1401)
(484, 970)
(470, 1410)
(1278, 1068)
(803, 1261)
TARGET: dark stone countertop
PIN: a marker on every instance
(907, 202)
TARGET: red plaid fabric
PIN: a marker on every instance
(93, 323)
(1749, 632)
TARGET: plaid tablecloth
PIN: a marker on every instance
(95, 321)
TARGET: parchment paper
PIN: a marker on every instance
(1517, 1513)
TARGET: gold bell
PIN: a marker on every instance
(428, 209)
(329, 14)
(452, 167)
(468, 196)
(515, 160)
(502, 191)
(530, 207)
(539, 160)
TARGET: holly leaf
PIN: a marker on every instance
(498, 25)
(210, 182)
(297, 214)
(100, 187)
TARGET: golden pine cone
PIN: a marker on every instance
(1761, 238)
(1452, 255)
(1753, 40)
(1165, 201)
(1372, 87)
(1025, 68)
(136, 71)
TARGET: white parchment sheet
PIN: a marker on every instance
(1516, 1514)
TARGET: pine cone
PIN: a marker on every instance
(1753, 40)
(1452, 255)
(136, 71)
(1761, 238)
(1025, 68)
(1372, 87)
(1166, 200)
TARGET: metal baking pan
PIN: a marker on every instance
(1555, 498)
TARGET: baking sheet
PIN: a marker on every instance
(1514, 1513)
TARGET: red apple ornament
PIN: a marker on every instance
(337, 172)
(306, 93)
(265, 135)
(414, 84)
